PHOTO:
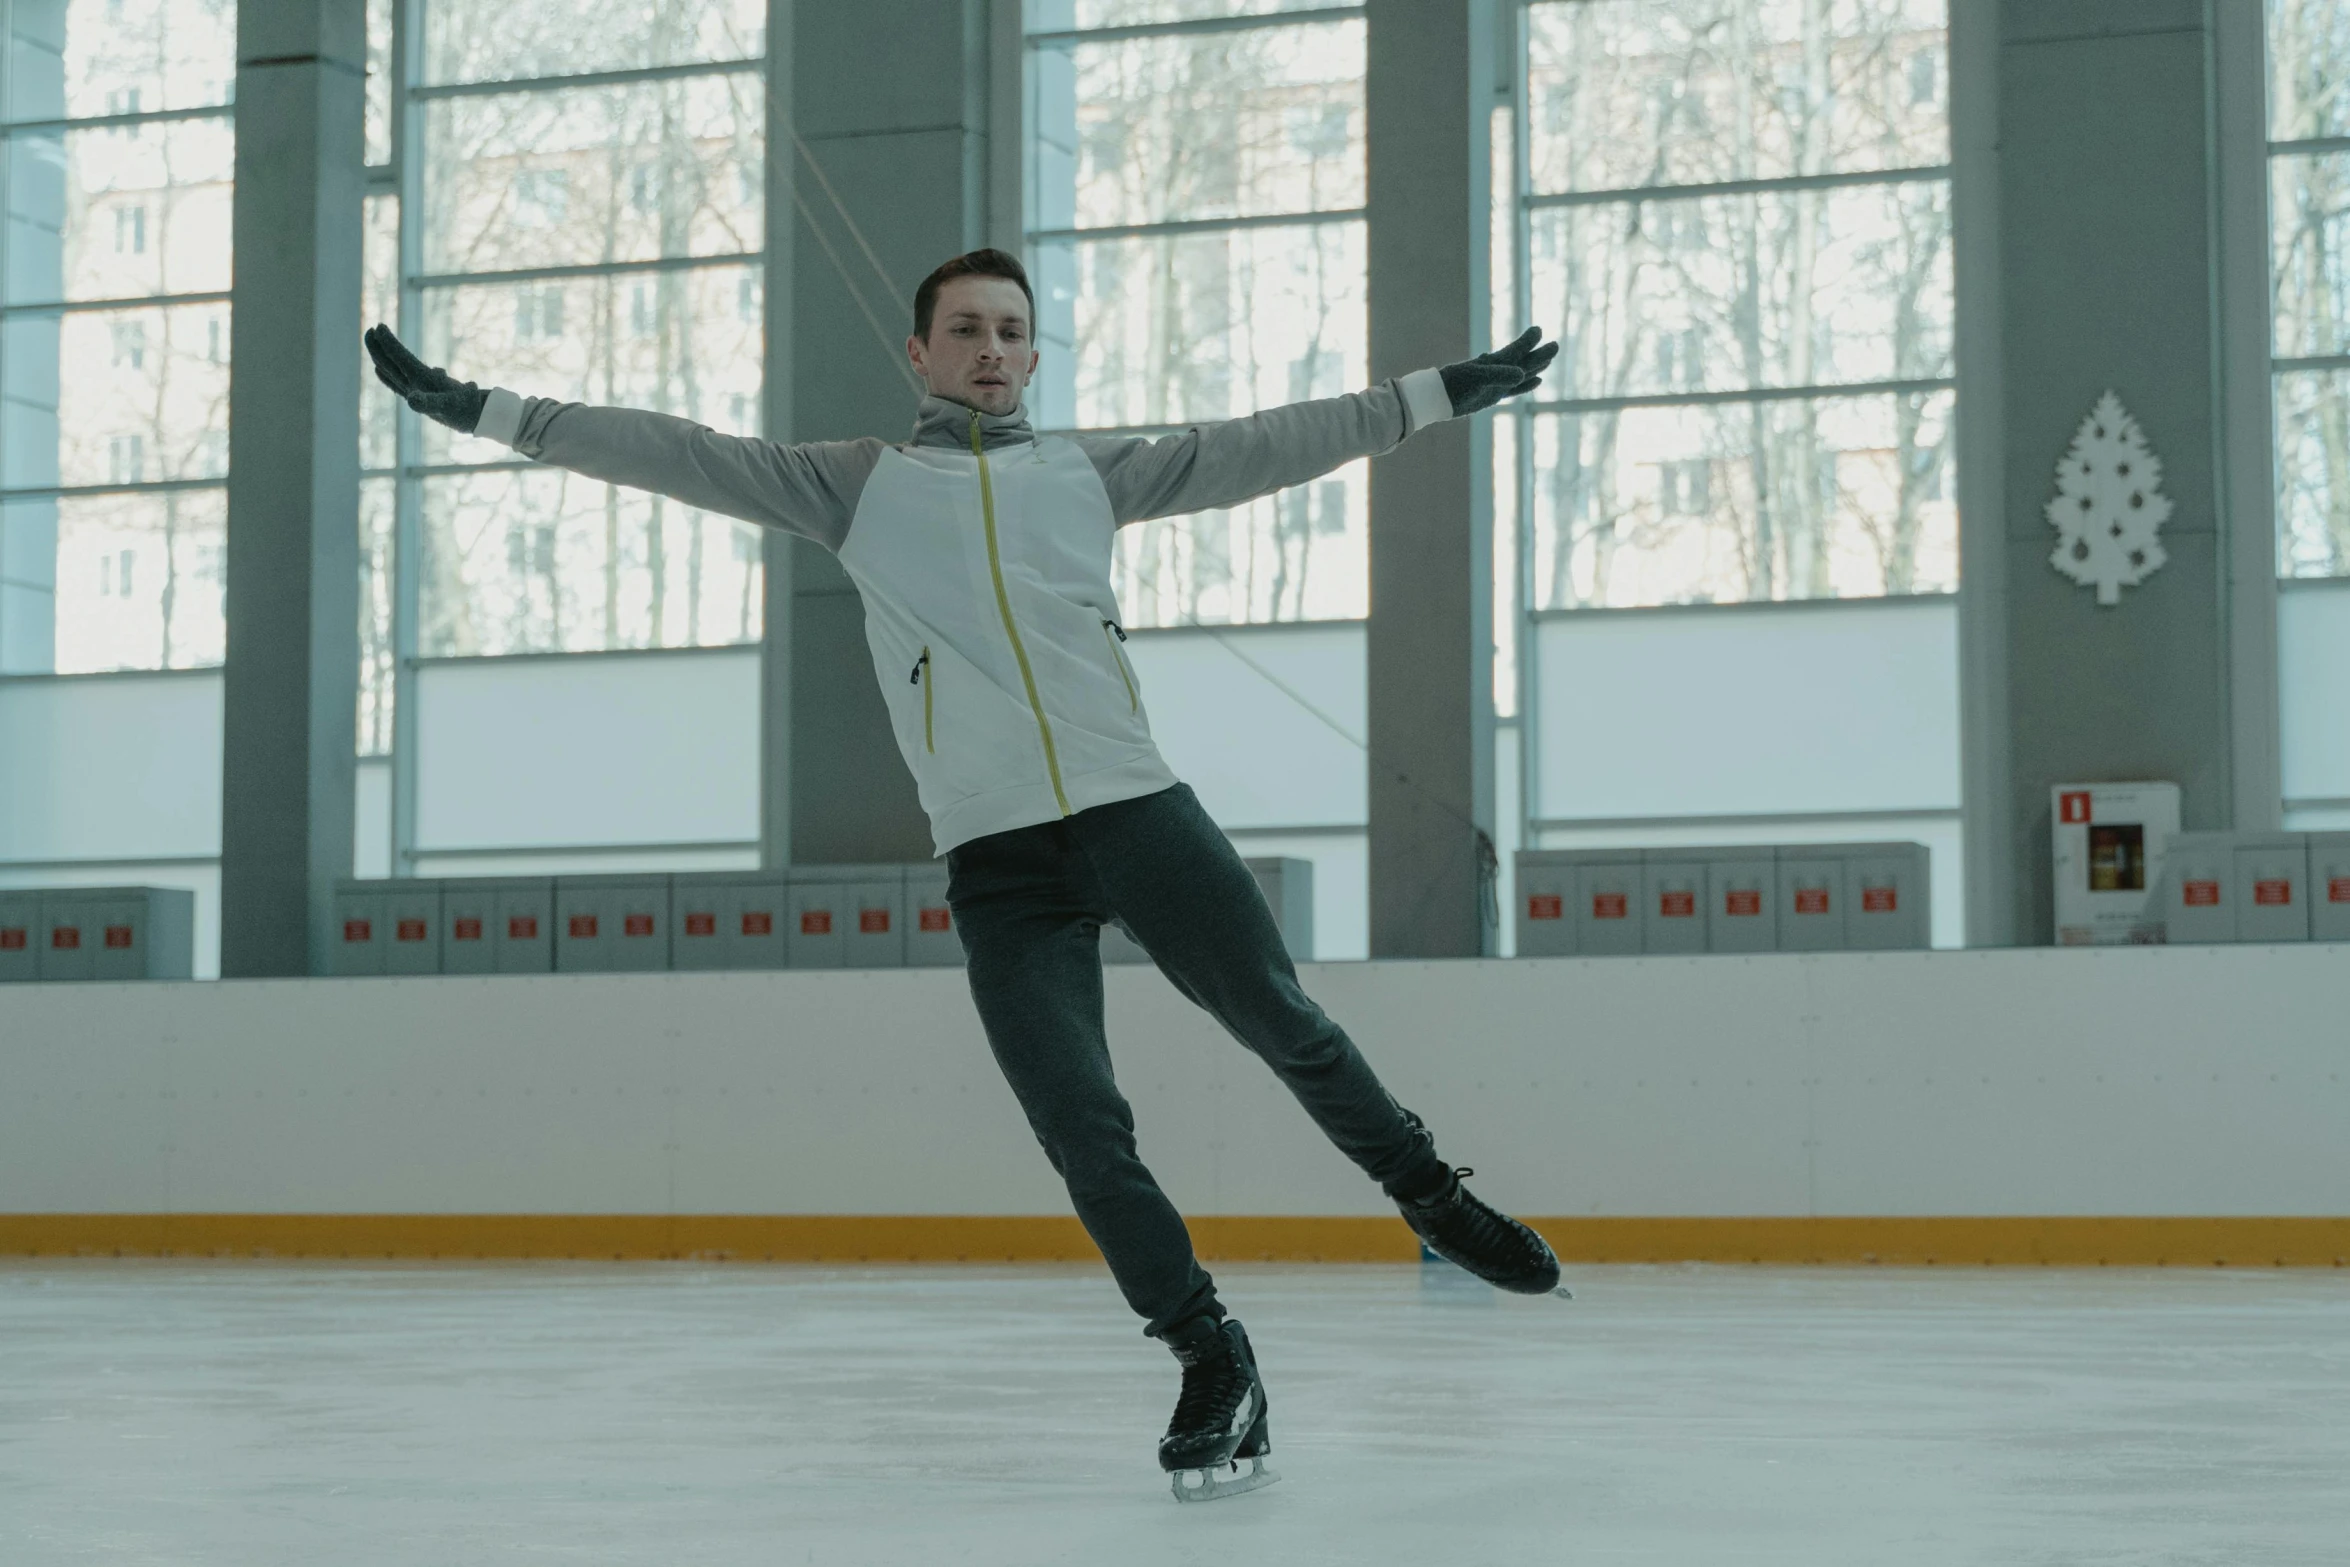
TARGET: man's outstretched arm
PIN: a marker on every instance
(810, 490)
(1224, 464)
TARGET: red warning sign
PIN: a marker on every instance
(1742, 901)
(118, 937)
(1811, 900)
(636, 924)
(758, 922)
(1610, 906)
(941, 919)
(816, 922)
(409, 930)
(583, 927)
(1546, 906)
(353, 930)
(1677, 905)
(701, 924)
(13, 938)
(1880, 900)
(2200, 894)
(466, 928)
(2338, 889)
(2274, 893)
(2073, 806)
(873, 922)
(522, 927)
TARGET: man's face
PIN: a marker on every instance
(978, 352)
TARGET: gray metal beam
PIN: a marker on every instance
(291, 682)
(1429, 91)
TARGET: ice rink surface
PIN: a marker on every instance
(343, 1415)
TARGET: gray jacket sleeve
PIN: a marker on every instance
(809, 490)
(1214, 465)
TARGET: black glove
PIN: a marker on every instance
(436, 394)
(1477, 384)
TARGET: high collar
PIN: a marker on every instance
(942, 422)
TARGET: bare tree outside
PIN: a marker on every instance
(1733, 197)
(1177, 188)
(119, 411)
(2309, 103)
(582, 241)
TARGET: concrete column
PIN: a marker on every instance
(292, 676)
(900, 133)
(1430, 89)
(2110, 189)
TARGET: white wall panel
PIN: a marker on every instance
(2128, 1081)
(371, 818)
(2313, 680)
(1748, 711)
(110, 767)
(588, 749)
(1257, 754)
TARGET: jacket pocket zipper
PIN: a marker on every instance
(1113, 633)
(922, 667)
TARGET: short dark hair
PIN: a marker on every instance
(978, 263)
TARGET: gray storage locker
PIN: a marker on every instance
(611, 924)
(118, 933)
(2194, 896)
(848, 916)
(412, 921)
(493, 925)
(931, 941)
(1811, 898)
(2329, 886)
(730, 920)
(1742, 905)
(1288, 885)
(2272, 873)
(1673, 899)
(1546, 904)
(1888, 897)
(1609, 892)
(361, 930)
(20, 924)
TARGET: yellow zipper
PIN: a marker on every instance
(926, 673)
(1109, 635)
(1003, 602)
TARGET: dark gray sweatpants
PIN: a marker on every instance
(1030, 904)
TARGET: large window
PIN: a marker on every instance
(114, 334)
(2309, 146)
(2309, 207)
(1735, 217)
(1195, 185)
(579, 215)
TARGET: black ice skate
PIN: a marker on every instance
(1488, 1243)
(1220, 1417)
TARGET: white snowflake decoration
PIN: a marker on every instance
(2109, 504)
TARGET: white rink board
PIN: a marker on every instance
(2149, 1081)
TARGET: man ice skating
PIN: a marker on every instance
(982, 554)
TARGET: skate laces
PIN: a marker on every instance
(1465, 1219)
(1213, 1386)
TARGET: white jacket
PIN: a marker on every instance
(982, 554)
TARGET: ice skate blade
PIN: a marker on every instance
(1212, 1485)
(1564, 1293)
